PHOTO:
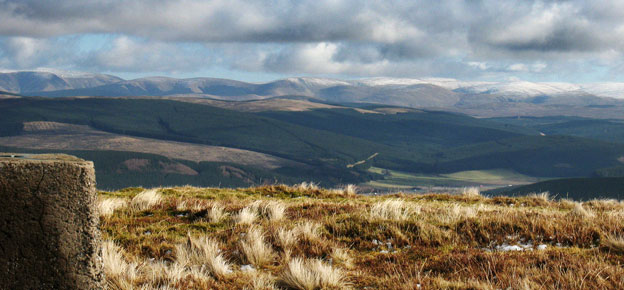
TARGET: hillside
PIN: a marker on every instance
(54, 135)
(604, 129)
(120, 169)
(279, 237)
(305, 140)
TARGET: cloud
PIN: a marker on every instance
(126, 54)
(345, 37)
(545, 28)
(120, 54)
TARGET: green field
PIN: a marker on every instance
(404, 180)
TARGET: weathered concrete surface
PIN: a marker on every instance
(49, 236)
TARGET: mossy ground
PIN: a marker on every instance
(441, 242)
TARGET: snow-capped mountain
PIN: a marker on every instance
(45, 81)
(473, 97)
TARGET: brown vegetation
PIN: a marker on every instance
(304, 237)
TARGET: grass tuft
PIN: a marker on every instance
(614, 244)
(108, 206)
(350, 189)
(247, 215)
(119, 273)
(256, 251)
(307, 186)
(146, 199)
(216, 213)
(471, 192)
(286, 238)
(312, 274)
(308, 230)
(579, 211)
(341, 257)
(261, 281)
(393, 209)
(203, 251)
(274, 210)
(543, 196)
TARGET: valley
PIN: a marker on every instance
(139, 140)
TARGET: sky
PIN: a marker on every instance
(497, 40)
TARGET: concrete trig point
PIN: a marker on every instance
(49, 236)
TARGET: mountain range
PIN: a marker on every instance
(481, 99)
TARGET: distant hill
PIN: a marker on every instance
(482, 99)
(34, 81)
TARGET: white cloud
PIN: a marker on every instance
(478, 64)
(26, 51)
(517, 67)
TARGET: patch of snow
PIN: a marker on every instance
(611, 90)
(390, 82)
(519, 247)
(247, 268)
(319, 82)
(542, 247)
(506, 248)
(522, 88)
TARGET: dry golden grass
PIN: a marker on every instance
(281, 237)
(190, 205)
(471, 192)
(393, 209)
(216, 213)
(146, 199)
(256, 251)
(247, 215)
(286, 238)
(107, 206)
(350, 189)
(273, 210)
(341, 257)
(261, 281)
(579, 211)
(306, 186)
(312, 274)
(308, 231)
(203, 252)
(120, 274)
(613, 244)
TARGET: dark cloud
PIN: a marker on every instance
(534, 27)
